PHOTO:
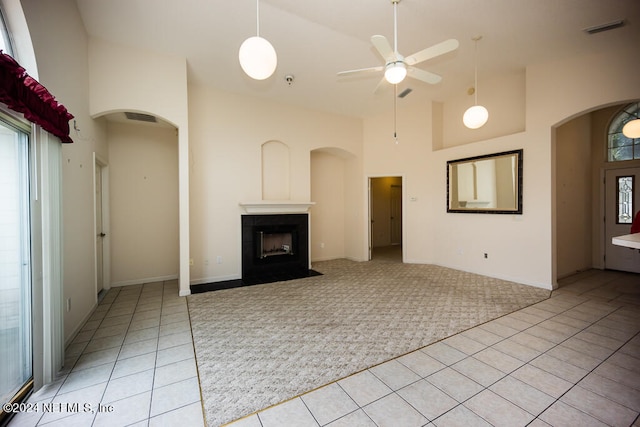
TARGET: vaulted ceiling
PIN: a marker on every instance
(315, 39)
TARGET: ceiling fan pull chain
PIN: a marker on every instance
(395, 113)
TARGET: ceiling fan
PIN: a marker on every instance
(397, 67)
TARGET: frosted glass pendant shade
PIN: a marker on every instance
(258, 58)
(395, 72)
(475, 117)
(632, 129)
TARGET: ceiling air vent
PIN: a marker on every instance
(604, 27)
(405, 92)
(141, 117)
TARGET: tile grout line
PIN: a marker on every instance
(577, 383)
(121, 346)
(506, 374)
(76, 362)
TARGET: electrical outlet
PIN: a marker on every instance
(486, 255)
(219, 259)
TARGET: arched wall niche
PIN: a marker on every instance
(276, 171)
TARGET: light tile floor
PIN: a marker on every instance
(135, 357)
(573, 359)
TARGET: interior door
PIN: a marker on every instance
(396, 214)
(622, 201)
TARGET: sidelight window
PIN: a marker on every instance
(625, 189)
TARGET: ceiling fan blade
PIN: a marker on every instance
(425, 76)
(383, 47)
(382, 86)
(361, 71)
(433, 51)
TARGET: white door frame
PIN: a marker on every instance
(98, 161)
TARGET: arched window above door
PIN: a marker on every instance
(619, 147)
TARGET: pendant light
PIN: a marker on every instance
(257, 56)
(475, 117)
(631, 129)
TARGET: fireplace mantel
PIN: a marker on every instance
(276, 207)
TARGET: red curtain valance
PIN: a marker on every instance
(25, 95)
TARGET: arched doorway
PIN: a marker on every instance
(581, 166)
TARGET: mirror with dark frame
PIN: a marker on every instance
(486, 184)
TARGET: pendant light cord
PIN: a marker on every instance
(475, 72)
(258, 18)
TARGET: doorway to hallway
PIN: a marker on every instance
(385, 218)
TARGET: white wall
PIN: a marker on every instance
(227, 132)
(143, 190)
(503, 96)
(411, 158)
(574, 195)
(556, 92)
(328, 214)
(125, 79)
(65, 72)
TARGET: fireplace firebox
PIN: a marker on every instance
(275, 244)
(274, 247)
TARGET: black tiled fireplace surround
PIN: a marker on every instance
(274, 268)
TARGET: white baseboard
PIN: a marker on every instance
(214, 279)
(78, 328)
(144, 280)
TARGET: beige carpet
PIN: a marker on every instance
(260, 345)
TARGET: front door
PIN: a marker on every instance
(622, 201)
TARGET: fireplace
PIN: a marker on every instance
(274, 247)
(275, 244)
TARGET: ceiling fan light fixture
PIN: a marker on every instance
(632, 129)
(258, 58)
(475, 117)
(395, 72)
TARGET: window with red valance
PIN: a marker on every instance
(22, 93)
